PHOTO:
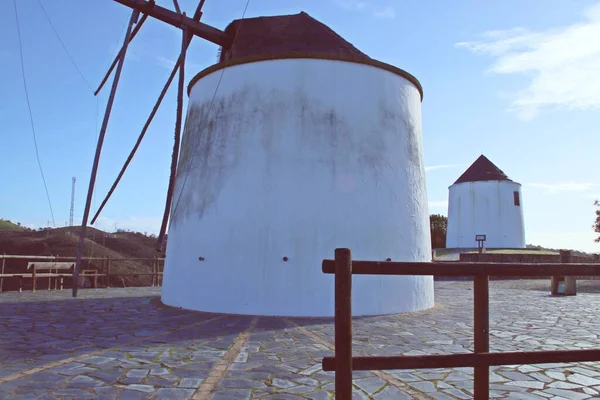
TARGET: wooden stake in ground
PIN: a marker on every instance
(2, 273)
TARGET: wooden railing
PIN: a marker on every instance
(343, 363)
(101, 271)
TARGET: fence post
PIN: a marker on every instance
(343, 324)
(2, 273)
(33, 278)
(107, 271)
(481, 335)
(159, 273)
(154, 268)
(570, 281)
(103, 270)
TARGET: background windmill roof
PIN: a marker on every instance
(482, 170)
(297, 33)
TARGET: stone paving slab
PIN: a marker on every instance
(124, 344)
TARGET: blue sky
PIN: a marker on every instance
(514, 80)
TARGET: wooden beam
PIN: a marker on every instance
(177, 8)
(2, 273)
(185, 40)
(465, 360)
(343, 323)
(481, 335)
(27, 257)
(197, 28)
(466, 268)
(133, 19)
(137, 28)
(197, 16)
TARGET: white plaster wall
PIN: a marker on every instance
(297, 158)
(485, 208)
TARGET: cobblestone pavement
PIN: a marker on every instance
(122, 343)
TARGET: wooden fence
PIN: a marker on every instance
(101, 275)
(343, 363)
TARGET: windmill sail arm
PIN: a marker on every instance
(137, 28)
(196, 28)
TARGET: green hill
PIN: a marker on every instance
(6, 224)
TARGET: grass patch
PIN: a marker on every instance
(518, 251)
(9, 225)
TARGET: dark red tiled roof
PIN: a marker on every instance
(482, 170)
(298, 33)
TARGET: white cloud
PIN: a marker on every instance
(352, 4)
(554, 188)
(561, 64)
(165, 62)
(441, 166)
(438, 204)
(386, 12)
(170, 63)
(357, 5)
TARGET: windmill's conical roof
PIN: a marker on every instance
(482, 170)
(296, 36)
(264, 36)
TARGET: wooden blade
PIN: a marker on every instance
(176, 4)
(197, 16)
(111, 98)
(138, 26)
(193, 27)
(175, 156)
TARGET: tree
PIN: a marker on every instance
(439, 226)
(597, 222)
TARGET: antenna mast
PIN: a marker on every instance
(72, 202)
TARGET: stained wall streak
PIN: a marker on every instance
(298, 157)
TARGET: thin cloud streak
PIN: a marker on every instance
(441, 166)
(168, 63)
(352, 5)
(386, 12)
(554, 188)
(165, 62)
(561, 64)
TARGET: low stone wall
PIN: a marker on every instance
(510, 258)
(515, 258)
(522, 258)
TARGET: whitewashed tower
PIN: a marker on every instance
(484, 201)
(308, 145)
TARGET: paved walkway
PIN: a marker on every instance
(122, 343)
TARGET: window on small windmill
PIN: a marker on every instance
(516, 198)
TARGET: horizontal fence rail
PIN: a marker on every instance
(16, 257)
(465, 268)
(102, 270)
(343, 363)
(465, 360)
